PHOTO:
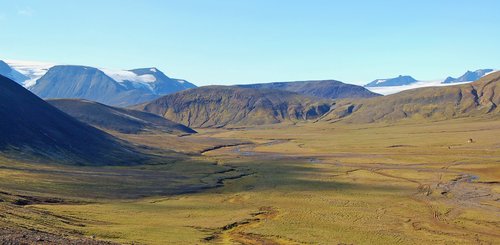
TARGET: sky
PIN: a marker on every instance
(247, 41)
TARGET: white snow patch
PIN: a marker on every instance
(122, 76)
(32, 69)
(153, 70)
(419, 84)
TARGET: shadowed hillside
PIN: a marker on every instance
(219, 106)
(117, 119)
(30, 127)
(329, 89)
(435, 103)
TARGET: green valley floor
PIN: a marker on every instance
(307, 183)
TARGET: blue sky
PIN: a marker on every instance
(244, 41)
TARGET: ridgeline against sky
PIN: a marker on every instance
(228, 42)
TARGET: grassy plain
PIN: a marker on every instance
(311, 183)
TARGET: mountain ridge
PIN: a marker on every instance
(396, 81)
(85, 82)
(478, 98)
(222, 106)
(140, 84)
(468, 76)
(328, 89)
(118, 119)
(32, 128)
(7, 71)
(394, 85)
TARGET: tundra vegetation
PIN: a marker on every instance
(408, 175)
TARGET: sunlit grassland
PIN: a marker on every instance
(318, 183)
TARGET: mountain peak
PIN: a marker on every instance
(220, 106)
(162, 84)
(468, 76)
(109, 86)
(397, 81)
(330, 89)
(146, 70)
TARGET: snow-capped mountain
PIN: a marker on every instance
(386, 90)
(397, 81)
(32, 70)
(7, 71)
(148, 79)
(469, 76)
(83, 82)
(401, 83)
(113, 87)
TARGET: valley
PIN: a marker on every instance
(327, 183)
(258, 122)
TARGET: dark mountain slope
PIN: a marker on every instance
(117, 119)
(30, 127)
(219, 106)
(329, 89)
(432, 103)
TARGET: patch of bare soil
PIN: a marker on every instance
(16, 236)
(22, 200)
(461, 192)
(235, 232)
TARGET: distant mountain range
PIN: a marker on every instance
(479, 98)
(32, 128)
(328, 89)
(401, 83)
(130, 87)
(397, 81)
(112, 87)
(32, 70)
(231, 106)
(469, 76)
(10, 73)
